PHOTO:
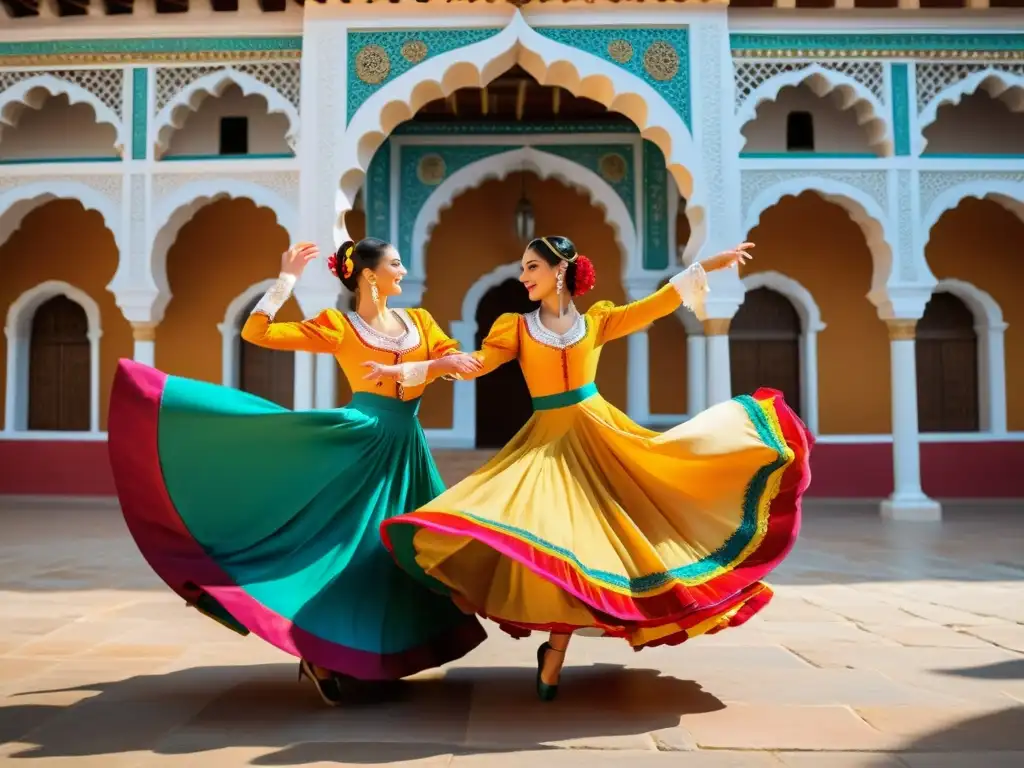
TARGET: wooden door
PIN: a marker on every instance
(503, 403)
(60, 375)
(764, 346)
(947, 367)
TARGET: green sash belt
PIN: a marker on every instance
(565, 399)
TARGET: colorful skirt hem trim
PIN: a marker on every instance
(182, 563)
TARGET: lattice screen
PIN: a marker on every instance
(282, 76)
(933, 79)
(751, 74)
(104, 84)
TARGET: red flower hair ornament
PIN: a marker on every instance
(586, 277)
(346, 266)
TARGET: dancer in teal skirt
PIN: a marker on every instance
(267, 519)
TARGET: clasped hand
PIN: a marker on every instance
(459, 363)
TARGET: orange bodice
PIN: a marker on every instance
(353, 343)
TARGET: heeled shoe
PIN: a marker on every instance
(327, 687)
(545, 691)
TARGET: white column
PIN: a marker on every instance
(638, 377)
(326, 382)
(464, 392)
(303, 395)
(717, 186)
(719, 374)
(992, 377)
(809, 379)
(144, 335)
(696, 374)
(908, 501)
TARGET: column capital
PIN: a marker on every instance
(902, 329)
(144, 331)
(141, 305)
(904, 301)
(717, 326)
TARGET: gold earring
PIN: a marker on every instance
(374, 294)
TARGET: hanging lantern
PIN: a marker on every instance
(524, 220)
(524, 216)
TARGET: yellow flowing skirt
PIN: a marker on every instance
(586, 520)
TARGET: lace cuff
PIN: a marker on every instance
(276, 297)
(692, 286)
(413, 374)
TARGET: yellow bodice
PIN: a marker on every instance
(554, 363)
(353, 343)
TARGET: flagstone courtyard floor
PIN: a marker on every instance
(887, 645)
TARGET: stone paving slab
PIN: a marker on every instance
(886, 647)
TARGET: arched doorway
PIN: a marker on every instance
(59, 367)
(947, 367)
(764, 345)
(502, 399)
(267, 373)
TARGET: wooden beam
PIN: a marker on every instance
(521, 99)
(20, 9)
(485, 102)
(556, 99)
(453, 103)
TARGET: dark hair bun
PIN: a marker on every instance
(366, 254)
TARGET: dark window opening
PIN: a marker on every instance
(947, 367)
(800, 132)
(234, 135)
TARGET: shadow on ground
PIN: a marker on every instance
(472, 710)
(1004, 670)
(992, 740)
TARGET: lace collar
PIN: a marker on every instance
(544, 335)
(371, 337)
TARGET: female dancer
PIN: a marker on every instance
(586, 520)
(267, 519)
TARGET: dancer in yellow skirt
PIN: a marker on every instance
(586, 520)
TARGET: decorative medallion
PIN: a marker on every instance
(414, 51)
(612, 167)
(661, 61)
(620, 51)
(431, 170)
(372, 64)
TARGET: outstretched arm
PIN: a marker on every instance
(688, 288)
(321, 334)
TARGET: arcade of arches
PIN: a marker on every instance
(231, 245)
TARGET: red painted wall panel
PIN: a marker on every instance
(948, 470)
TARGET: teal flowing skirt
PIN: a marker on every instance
(268, 520)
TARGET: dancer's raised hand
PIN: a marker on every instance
(733, 258)
(295, 259)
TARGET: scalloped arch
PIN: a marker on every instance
(870, 111)
(21, 94)
(1009, 194)
(177, 209)
(549, 62)
(993, 80)
(545, 165)
(18, 202)
(863, 210)
(174, 113)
